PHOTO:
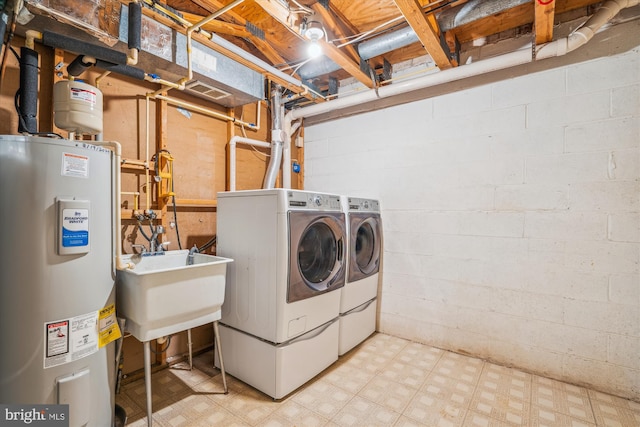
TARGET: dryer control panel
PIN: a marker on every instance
(363, 205)
(314, 201)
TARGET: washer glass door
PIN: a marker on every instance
(316, 262)
(317, 253)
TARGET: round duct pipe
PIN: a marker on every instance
(447, 20)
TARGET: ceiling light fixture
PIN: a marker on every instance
(314, 32)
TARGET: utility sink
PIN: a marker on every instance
(162, 294)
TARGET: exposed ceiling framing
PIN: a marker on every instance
(348, 23)
(365, 42)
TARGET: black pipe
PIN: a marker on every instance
(4, 21)
(78, 66)
(72, 45)
(28, 92)
(135, 25)
(125, 70)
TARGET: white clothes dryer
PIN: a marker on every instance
(279, 325)
(358, 302)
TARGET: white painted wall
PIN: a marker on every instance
(511, 217)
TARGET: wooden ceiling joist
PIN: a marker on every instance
(331, 24)
(346, 63)
(543, 24)
(428, 35)
(218, 27)
(265, 46)
(350, 65)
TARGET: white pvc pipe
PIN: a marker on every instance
(512, 59)
(585, 33)
(232, 155)
(116, 147)
(289, 130)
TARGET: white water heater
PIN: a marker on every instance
(57, 276)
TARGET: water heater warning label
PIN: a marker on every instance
(70, 339)
(75, 165)
(75, 227)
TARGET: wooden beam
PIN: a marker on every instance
(350, 65)
(281, 14)
(221, 27)
(265, 46)
(345, 62)
(267, 50)
(427, 34)
(333, 25)
(217, 26)
(543, 24)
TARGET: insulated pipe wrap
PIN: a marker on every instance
(28, 91)
(125, 70)
(72, 45)
(135, 24)
(78, 66)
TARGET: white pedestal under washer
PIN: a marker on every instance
(358, 302)
(282, 298)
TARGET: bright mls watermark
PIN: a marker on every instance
(34, 415)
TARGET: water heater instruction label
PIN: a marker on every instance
(75, 165)
(67, 340)
(75, 227)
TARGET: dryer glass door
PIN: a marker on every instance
(365, 245)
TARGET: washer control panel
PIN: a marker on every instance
(363, 205)
(313, 201)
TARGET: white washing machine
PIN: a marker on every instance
(279, 325)
(358, 302)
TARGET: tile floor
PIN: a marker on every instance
(386, 381)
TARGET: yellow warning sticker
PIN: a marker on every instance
(109, 330)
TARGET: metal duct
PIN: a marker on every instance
(216, 78)
(277, 138)
(447, 20)
(472, 11)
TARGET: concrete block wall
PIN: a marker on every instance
(511, 215)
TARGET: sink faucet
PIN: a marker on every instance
(142, 248)
(192, 251)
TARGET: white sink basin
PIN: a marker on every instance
(162, 294)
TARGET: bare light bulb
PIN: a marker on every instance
(314, 49)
